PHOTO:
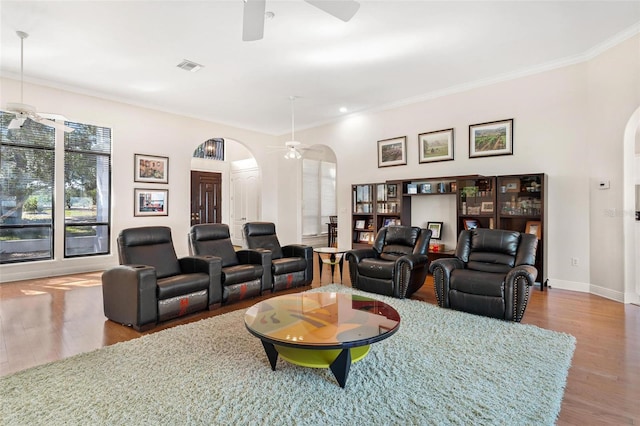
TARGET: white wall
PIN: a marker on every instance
(143, 131)
(569, 124)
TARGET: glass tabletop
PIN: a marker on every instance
(330, 250)
(322, 320)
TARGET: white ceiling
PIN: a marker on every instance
(390, 53)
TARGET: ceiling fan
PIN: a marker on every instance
(293, 147)
(23, 111)
(254, 13)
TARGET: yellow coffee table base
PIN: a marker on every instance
(318, 358)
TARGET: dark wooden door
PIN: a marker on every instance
(206, 197)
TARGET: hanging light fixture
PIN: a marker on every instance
(292, 145)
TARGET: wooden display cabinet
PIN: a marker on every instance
(388, 204)
(476, 202)
(521, 205)
(362, 215)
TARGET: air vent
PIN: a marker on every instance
(188, 65)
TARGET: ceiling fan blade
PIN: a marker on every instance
(53, 124)
(52, 116)
(341, 9)
(16, 123)
(253, 20)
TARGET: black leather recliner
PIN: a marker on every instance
(243, 274)
(291, 265)
(396, 265)
(152, 285)
(490, 274)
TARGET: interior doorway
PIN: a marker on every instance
(245, 200)
(206, 197)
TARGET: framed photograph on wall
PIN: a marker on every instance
(436, 230)
(534, 227)
(151, 202)
(435, 146)
(151, 168)
(490, 139)
(392, 152)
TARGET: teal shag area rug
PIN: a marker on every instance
(441, 367)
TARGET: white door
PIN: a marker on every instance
(245, 201)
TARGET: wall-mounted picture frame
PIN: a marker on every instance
(392, 152)
(436, 230)
(470, 224)
(491, 139)
(435, 146)
(486, 207)
(151, 202)
(534, 227)
(150, 168)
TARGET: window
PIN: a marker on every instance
(318, 195)
(87, 176)
(26, 191)
(28, 180)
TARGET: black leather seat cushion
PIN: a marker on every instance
(288, 265)
(376, 268)
(180, 285)
(476, 282)
(241, 274)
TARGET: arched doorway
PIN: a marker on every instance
(240, 181)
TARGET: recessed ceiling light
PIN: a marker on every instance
(188, 65)
(343, 109)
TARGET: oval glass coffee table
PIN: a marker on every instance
(321, 330)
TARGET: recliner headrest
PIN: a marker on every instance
(210, 231)
(254, 229)
(146, 235)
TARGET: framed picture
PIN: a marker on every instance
(392, 152)
(425, 188)
(486, 207)
(489, 139)
(151, 202)
(359, 224)
(412, 188)
(470, 224)
(392, 190)
(435, 146)
(534, 227)
(151, 169)
(436, 229)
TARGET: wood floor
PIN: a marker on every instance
(49, 319)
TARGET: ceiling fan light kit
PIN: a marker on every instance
(23, 111)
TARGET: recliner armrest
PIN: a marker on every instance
(357, 255)
(210, 265)
(258, 257)
(530, 273)
(129, 295)
(441, 270)
(448, 265)
(413, 260)
(297, 250)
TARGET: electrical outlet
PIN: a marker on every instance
(575, 261)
